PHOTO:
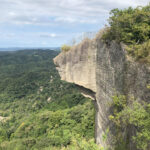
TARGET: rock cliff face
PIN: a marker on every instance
(104, 69)
(79, 65)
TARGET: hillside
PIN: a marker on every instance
(37, 109)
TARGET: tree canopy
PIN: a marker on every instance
(132, 27)
(38, 110)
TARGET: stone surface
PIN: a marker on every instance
(104, 69)
(78, 65)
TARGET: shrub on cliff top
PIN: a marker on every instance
(132, 27)
(65, 48)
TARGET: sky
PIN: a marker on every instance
(51, 23)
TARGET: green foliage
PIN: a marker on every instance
(78, 144)
(65, 48)
(41, 111)
(140, 51)
(132, 27)
(131, 115)
(105, 135)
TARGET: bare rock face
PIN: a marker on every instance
(104, 69)
(79, 65)
(110, 76)
(116, 74)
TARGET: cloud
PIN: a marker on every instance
(53, 22)
(75, 20)
(51, 12)
(7, 35)
(48, 35)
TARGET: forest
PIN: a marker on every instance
(37, 109)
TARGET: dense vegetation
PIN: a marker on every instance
(131, 119)
(132, 27)
(131, 123)
(37, 109)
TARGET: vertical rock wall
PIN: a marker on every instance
(78, 65)
(110, 69)
(104, 69)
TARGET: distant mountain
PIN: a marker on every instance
(29, 48)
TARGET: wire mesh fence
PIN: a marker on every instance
(81, 37)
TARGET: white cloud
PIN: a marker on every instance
(44, 43)
(31, 35)
(74, 20)
(47, 12)
(7, 35)
(29, 22)
(48, 35)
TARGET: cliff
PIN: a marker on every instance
(79, 65)
(106, 70)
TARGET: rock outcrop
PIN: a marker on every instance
(79, 65)
(106, 70)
